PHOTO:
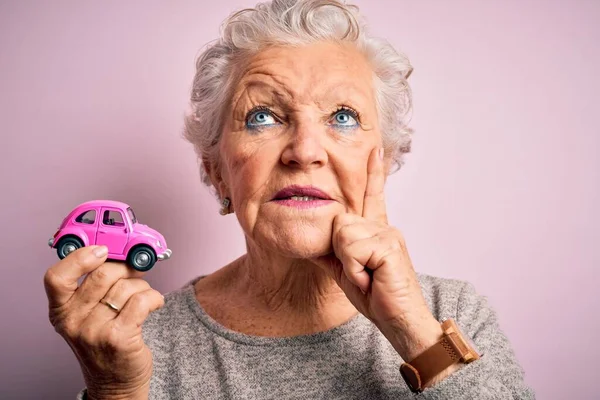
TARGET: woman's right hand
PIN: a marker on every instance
(115, 361)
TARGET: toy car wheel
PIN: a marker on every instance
(141, 258)
(67, 245)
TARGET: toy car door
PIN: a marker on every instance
(113, 231)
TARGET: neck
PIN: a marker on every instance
(292, 289)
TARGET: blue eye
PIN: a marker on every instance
(259, 118)
(346, 118)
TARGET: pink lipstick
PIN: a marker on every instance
(302, 197)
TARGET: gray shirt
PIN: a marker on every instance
(195, 357)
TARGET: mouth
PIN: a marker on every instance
(301, 197)
(301, 193)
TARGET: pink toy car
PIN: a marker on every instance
(111, 223)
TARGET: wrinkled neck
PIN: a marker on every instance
(291, 286)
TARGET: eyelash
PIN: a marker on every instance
(355, 114)
(259, 108)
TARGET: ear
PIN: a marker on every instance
(213, 171)
(214, 174)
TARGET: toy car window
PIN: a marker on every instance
(113, 218)
(88, 217)
(131, 215)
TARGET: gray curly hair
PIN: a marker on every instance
(295, 23)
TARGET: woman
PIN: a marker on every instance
(298, 117)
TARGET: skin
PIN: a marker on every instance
(304, 270)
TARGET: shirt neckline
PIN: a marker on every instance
(348, 327)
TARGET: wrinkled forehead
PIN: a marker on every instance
(322, 72)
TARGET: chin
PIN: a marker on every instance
(304, 250)
(295, 241)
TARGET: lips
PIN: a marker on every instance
(301, 193)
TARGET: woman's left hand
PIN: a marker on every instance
(371, 264)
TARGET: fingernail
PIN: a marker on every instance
(381, 152)
(100, 251)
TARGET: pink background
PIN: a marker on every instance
(502, 188)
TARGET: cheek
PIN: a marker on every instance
(249, 168)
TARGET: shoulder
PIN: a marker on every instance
(441, 286)
(441, 292)
(499, 369)
(452, 298)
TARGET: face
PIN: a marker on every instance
(295, 145)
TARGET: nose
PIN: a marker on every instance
(305, 149)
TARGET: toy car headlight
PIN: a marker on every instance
(158, 243)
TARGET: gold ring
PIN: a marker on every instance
(110, 305)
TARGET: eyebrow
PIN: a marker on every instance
(350, 92)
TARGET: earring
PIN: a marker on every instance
(225, 206)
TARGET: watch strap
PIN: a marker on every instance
(430, 363)
(444, 355)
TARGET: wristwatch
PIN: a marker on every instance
(453, 347)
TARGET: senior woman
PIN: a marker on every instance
(298, 117)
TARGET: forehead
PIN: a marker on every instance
(305, 73)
